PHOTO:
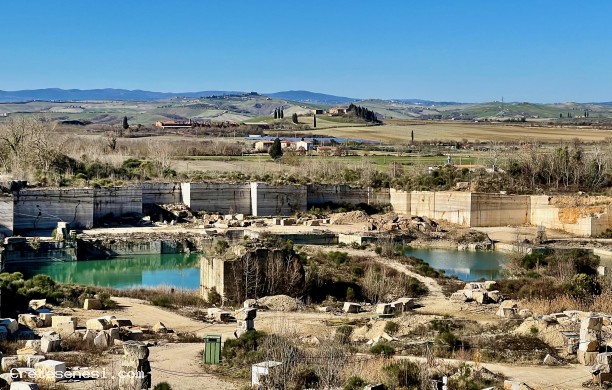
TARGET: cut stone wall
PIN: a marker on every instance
(400, 201)
(320, 194)
(6, 215)
(224, 198)
(268, 200)
(499, 210)
(42, 209)
(454, 207)
(548, 215)
(161, 193)
(117, 202)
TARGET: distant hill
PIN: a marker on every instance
(425, 102)
(49, 94)
(310, 97)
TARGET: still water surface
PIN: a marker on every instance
(176, 270)
(182, 270)
(466, 265)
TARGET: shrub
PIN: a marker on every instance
(350, 294)
(162, 386)
(343, 334)
(381, 348)
(391, 327)
(404, 374)
(338, 258)
(354, 383)
(161, 301)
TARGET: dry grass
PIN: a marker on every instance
(163, 296)
(601, 303)
(400, 133)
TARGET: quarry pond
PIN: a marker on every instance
(465, 265)
(174, 270)
(182, 270)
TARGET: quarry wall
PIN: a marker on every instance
(454, 207)
(400, 200)
(499, 210)
(268, 199)
(113, 202)
(224, 198)
(6, 216)
(35, 209)
(161, 193)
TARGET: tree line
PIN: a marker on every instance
(363, 113)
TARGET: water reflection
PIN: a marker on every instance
(177, 270)
(466, 265)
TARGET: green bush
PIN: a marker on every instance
(243, 350)
(343, 334)
(338, 258)
(354, 383)
(381, 348)
(403, 374)
(161, 301)
(391, 327)
(162, 386)
(350, 294)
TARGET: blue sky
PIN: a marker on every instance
(538, 51)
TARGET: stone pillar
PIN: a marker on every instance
(246, 320)
(135, 366)
(590, 335)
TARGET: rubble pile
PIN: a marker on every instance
(280, 303)
(480, 292)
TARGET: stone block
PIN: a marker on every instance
(10, 324)
(249, 313)
(516, 385)
(98, 324)
(30, 320)
(458, 296)
(65, 329)
(223, 316)
(23, 386)
(589, 335)
(89, 336)
(37, 303)
(586, 358)
(34, 344)
(550, 360)
(159, 328)
(384, 308)
(121, 322)
(49, 371)
(135, 334)
(8, 362)
(56, 320)
(113, 334)
(480, 296)
(350, 307)
(33, 359)
(51, 342)
(324, 309)
(136, 350)
(495, 296)
(102, 340)
(593, 323)
(525, 313)
(24, 353)
(92, 304)
(46, 318)
(604, 358)
(588, 346)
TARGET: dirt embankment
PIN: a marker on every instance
(573, 207)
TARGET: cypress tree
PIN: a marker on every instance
(315, 121)
(282, 113)
(294, 118)
(275, 113)
(125, 125)
(276, 151)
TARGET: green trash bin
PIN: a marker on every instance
(212, 349)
